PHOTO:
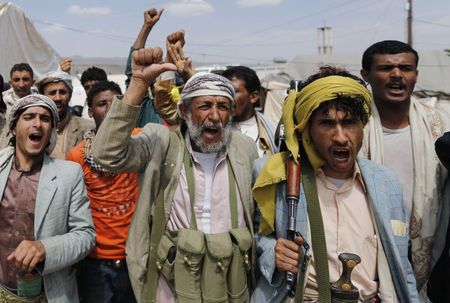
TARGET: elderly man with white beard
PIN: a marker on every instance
(191, 238)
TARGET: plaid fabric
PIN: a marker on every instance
(89, 159)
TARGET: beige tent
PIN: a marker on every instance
(433, 85)
(434, 68)
(276, 87)
(21, 42)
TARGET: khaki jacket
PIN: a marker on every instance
(115, 150)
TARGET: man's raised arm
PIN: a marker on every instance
(113, 148)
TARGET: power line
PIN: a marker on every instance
(222, 42)
(433, 23)
(102, 34)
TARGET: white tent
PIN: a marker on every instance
(21, 42)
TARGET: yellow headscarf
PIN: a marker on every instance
(297, 111)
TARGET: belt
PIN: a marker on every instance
(114, 264)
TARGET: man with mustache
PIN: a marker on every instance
(191, 236)
(246, 117)
(21, 81)
(346, 204)
(400, 135)
(71, 128)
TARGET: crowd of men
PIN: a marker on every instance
(180, 190)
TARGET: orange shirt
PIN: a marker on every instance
(113, 200)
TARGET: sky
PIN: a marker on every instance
(237, 31)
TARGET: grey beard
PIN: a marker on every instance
(195, 134)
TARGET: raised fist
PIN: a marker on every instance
(147, 65)
(175, 55)
(151, 17)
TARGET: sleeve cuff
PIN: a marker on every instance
(266, 261)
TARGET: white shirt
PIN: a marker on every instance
(250, 128)
(400, 163)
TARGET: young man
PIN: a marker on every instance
(246, 119)
(70, 129)
(91, 76)
(104, 274)
(400, 135)
(347, 204)
(194, 189)
(45, 220)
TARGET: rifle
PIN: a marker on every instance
(292, 198)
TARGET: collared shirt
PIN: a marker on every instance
(16, 218)
(219, 206)
(250, 128)
(180, 214)
(348, 227)
(256, 129)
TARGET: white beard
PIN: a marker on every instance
(195, 134)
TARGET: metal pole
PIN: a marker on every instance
(409, 22)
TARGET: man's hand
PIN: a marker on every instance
(176, 38)
(287, 254)
(27, 255)
(146, 66)
(175, 55)
(65, 64)
(151, 17)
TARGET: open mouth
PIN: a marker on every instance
(211, 133)
(35, 138)
(212, 129)
(396, 87)
(341, 154)
(58, 104)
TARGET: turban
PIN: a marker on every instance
(55, 77)
(32, 101)
(296, 113)
(298, 108)
(207, 84)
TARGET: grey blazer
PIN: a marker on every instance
(63, 223)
